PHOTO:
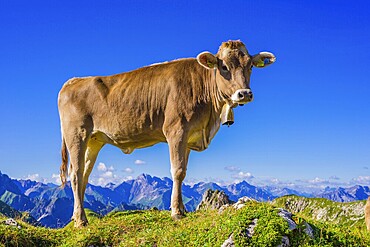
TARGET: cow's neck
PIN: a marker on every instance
(225, 104)
(214, 95)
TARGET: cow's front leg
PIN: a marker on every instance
(179, 158)
(76, 144)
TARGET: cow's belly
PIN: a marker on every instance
(198, 140)
(129, 143)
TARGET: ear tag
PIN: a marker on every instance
(260, 64)
(227, 115)
(211, 65)
(266, 61)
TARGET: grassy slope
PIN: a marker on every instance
(324, 210)
(335, 223)
(207, 228)
(9, 211)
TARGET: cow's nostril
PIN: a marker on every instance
(241, 95)
(251, 96)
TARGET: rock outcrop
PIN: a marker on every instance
(287, 216)
(213, 200)
(323, 209)
(12, 222)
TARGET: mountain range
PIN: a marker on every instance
(52, 205)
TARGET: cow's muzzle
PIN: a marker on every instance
(242, 96)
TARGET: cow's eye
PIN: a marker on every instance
(224, 68)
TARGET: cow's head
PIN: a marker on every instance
(234, 67)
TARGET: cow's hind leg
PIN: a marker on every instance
(76, 140)
(92, 150)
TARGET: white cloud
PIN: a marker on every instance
(361, 180)
(102, 182)
(107, 174)
(55, 178)
(34, 177)
(275, 181)
(105, 179)
(232, 168)
(128, 170)
(102, 167)
(243, 175)
(317, 180)
(140, 162)
(192, 181)
(334, 178)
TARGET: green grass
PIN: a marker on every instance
(348, 214)
(204, 228)
(341, 224)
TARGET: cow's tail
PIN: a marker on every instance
(63, 166)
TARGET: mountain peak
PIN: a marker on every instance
(244, 183)
(110, 185)
(144, 176)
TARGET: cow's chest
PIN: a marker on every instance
(200, 139)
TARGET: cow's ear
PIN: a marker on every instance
(263, 59)
(207, 60)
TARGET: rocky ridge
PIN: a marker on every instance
(323, 209)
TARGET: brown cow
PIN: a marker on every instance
(178, 102)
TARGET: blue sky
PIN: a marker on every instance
(309, 122)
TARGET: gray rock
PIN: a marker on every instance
(12, 222)
(284, 242)
(242, 201)
(229, 242)
(287, 216)
(223, 207)
(250, 229)
(213, 200)
(239, 204)
(308, 230)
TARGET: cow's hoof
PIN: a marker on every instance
(81, 223)
(177, 217)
